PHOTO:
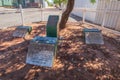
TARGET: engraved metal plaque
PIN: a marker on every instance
(93, 38)
(40, 53)
(20, 33)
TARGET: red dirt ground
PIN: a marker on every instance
(75, 60)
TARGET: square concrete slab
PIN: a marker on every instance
(93, 38)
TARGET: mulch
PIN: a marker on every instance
(75, 60)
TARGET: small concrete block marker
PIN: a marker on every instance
(93, 36)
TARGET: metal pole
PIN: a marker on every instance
(105, 12)
(41, 12)
(84, 13)
(104, 16)
(22, 17)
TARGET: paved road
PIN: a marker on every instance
(10, 18)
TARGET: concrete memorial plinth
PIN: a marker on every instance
(21, 31)
(41, 51)
(93, 36)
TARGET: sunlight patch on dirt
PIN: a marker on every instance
(94, 65)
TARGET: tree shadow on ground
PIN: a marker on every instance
(13, 61)
(39, 30)
(75, 60)
(89, 61)
(4, 35)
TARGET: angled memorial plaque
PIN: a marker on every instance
(21, 31)
(41, 51)
(93, 36)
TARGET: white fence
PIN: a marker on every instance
(13, 17)
(107, 14)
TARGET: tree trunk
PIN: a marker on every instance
(66, 14)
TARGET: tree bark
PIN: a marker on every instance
(66, 13)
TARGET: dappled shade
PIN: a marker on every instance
(75, 60)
